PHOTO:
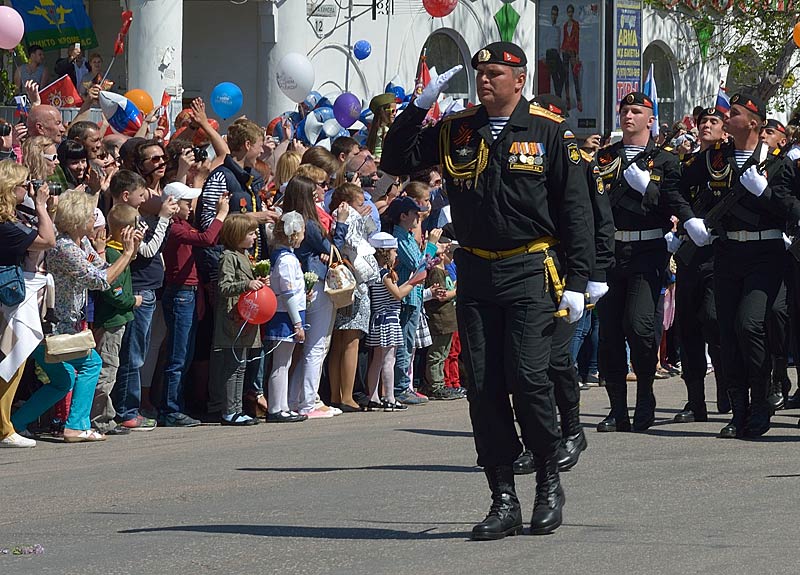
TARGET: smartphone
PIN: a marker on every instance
(77, 45)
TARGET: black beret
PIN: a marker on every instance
(751, 103)
(551, 103)
(500, 53)
(636, 99)
(710, 112)
(775, 125)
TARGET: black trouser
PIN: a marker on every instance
(628, 311)
(562, 371)
(778, 326)
(793, 297)
(505, 319)
(697, 325)
(747, 277)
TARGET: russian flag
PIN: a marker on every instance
(723, 103)
(651, 92)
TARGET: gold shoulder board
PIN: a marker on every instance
(541, 112)
(462, 114)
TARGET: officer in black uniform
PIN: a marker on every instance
(520, 211)
(562, 370)
(642, 183)
(695, 310)
(749, 255)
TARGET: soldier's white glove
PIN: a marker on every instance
(673, 242)
(794, 153)
(637, 178)
(435, 87)
(696, 228)
(596, 290)
(754, 181)
(573, 302)
(787, 241)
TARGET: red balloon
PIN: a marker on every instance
(257, 307)
(439, 8)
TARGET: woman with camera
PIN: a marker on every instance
(76, 267)
(40, 156)
(18, 240)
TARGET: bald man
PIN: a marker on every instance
(45, 120)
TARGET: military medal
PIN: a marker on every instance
(523, 159)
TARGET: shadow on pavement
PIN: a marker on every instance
(298, 531)
(439, 432)
(442, 468)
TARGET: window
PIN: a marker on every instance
(665, 83)
(443, 51)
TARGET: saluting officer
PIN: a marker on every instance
(521, 213)
(642, 183)
(749, 254)
(694, 287)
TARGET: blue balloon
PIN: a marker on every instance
(226, 99)
(324, 103)
(296, 118)
(300, 132)
(361, 136)
(399, 93)
(362, 50)
(312, 99)
(366, 116)
(324, 113)
(343, 132)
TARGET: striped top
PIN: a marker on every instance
(497, 123)
(741, 156)
(380, 299)
(632, 151)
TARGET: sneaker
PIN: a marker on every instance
(455, 393)
(318, 414)
(441, 394)
(238, 420)
(180, 420)
(423, 397)
(592, 380)
(408, 397)
(119, 430)
(583, 386)
(16, 440)
(140, 423)
(630, 377)
(285, 417)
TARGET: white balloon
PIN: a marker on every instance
(326, 143)
(313, 128)
(295, 76)
(331, 127)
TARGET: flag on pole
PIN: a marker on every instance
(61, 94)
(651, 92)
(723, 103)
(423, 79)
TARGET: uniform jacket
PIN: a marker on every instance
(603, 221)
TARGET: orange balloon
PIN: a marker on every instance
(796, 34)
(142, 100)
(257, 307)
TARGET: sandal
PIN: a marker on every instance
(396, 406)
(373, 406)
(86, 436)
(239, 420)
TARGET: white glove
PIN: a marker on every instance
(637, 178)
(673, 242)
(696, 228)
(573, 302)
(596, 290)
(435, 87)
(754, 181)
(794, 153)
(787, 241)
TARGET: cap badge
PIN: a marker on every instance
(484, 55)
(630, 98)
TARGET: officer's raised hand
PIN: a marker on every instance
(637, 178)
(573, 302)
(435, 87)
(696, 228)
(754, 181)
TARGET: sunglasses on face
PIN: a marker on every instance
(323, 185)
(50, 157)
(157, 159)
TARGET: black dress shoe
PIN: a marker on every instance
(685, 416)
(730, 431)
(505, 516)
(611, 423)
(547, 515)
(524, 464)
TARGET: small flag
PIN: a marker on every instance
(651, 92)
(723, 103)
(119, 43)
(423, 79)
(61, 94)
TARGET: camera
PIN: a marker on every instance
(367, 182)
(55, 188)
(200, 154)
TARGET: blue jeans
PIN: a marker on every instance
(582, 329)
(587, 356)
(409, 321)
(181, 320)
(127, 393)
(78, 375)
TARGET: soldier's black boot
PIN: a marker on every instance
(695, 409)
(505, 515)
(546, 516)
(573, 439)
(524, 464)
(617, 419)
(735, 429)
(645, 413)
(777, 396)
(758, 420)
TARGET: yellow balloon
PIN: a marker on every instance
(796, 34)
(141, 99)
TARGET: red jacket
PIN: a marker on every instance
(571, 41)
(179, 261)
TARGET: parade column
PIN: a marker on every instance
(283, 28)
(155, 49)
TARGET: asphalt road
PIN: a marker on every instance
(397, 493)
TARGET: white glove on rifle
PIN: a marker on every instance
(596, 290)
(673, 242)
(696, 228)
(637, 178)
(573, 302)
(754, 181)
(435, 87)
(793, 154)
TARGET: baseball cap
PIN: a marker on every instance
(181, 191)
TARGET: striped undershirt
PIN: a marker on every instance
(632, 151)
(497, 123)
(741, 156)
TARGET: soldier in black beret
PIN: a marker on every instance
(710, 127)
(774, 133)
(522, 217)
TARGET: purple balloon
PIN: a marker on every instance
(346, 109)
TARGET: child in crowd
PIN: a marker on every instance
(452, 378)
(113, 310)
(385, 334)
(129, 188)
(287, 325)
(235, 341)
(180, 292)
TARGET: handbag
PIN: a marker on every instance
(340, 283)
(66, 347)
(12, 285)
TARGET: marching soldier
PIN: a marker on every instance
(642, 183)
(521, 213)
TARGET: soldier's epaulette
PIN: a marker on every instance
(689, 160)
(587, 157)
(776, 151)
(466, 113)
(668, 149)
(542, 113)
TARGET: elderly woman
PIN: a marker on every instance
(17, 240)
(76, 267)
